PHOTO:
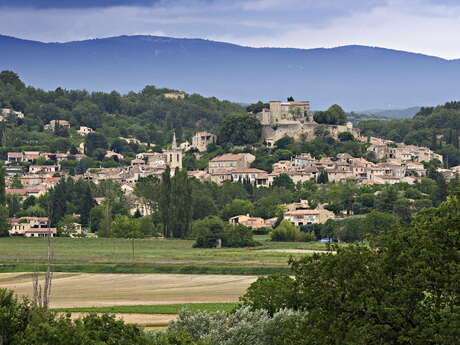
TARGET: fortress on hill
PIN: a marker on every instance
(294, 119)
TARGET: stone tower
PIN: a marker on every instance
(174, 155)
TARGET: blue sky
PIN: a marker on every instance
(425, 26)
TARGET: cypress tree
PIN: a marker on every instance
(2, 187)
(164, 203)
(87, 203)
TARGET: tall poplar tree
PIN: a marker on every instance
(175, 203)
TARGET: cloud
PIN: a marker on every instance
(427, 26)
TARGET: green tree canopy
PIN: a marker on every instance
(240, 129)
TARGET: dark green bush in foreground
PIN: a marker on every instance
(23, 324)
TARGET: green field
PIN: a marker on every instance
(109, 255)
(154, 309)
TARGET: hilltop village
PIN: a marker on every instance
(33, 174)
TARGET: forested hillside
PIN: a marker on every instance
(435, 127)
(146, 115)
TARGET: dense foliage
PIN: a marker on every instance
(146, 115)
(23, 324)
(401, 290)
(240, 129)
(334, 115)
(208, 231)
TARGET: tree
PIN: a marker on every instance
(94, 141)
(2, 187)
(371, 297)
(203, 205)
(287, 232)
(240, 129)
(209, 230)
(346, 136)
(237, 207)
(66, 226)
(5, 224)
(284, 142)
(147, 226)
(87, 202)
(13, 203)
(323, 177)
(332, 116)
(125, 227)
(175, 204)
(182, 204)
(283, 180)
(266, 207)
(22, 323)
(257, 107)
(165, 205)
(148, 189)
(11, 78)
(271, 293)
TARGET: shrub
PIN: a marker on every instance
(288, 232)
(261, 231)
(208, 230)
(237, 236)
(23, 324)
(245, 326)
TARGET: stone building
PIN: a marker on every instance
(229, 162)
(202, 139)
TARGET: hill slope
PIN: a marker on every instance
(356, 77)
(393, 113)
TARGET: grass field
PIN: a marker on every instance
(101, 255)
(172, 309)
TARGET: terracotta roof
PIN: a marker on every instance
(248, 171)
(41, 230)
(229, 157)
(302, 212)
(43, 219)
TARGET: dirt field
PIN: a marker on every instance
(94, 290)
(157, 320)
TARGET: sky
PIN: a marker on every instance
(423, 26)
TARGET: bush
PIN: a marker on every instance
(261, 231)
(237, 236)
(288, 232)
(208, 230)
(245, 326)
(23, 324)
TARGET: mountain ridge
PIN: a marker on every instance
(355, 76)
(166, 38)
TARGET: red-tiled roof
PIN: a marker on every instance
(229, 157)
(248, 171)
